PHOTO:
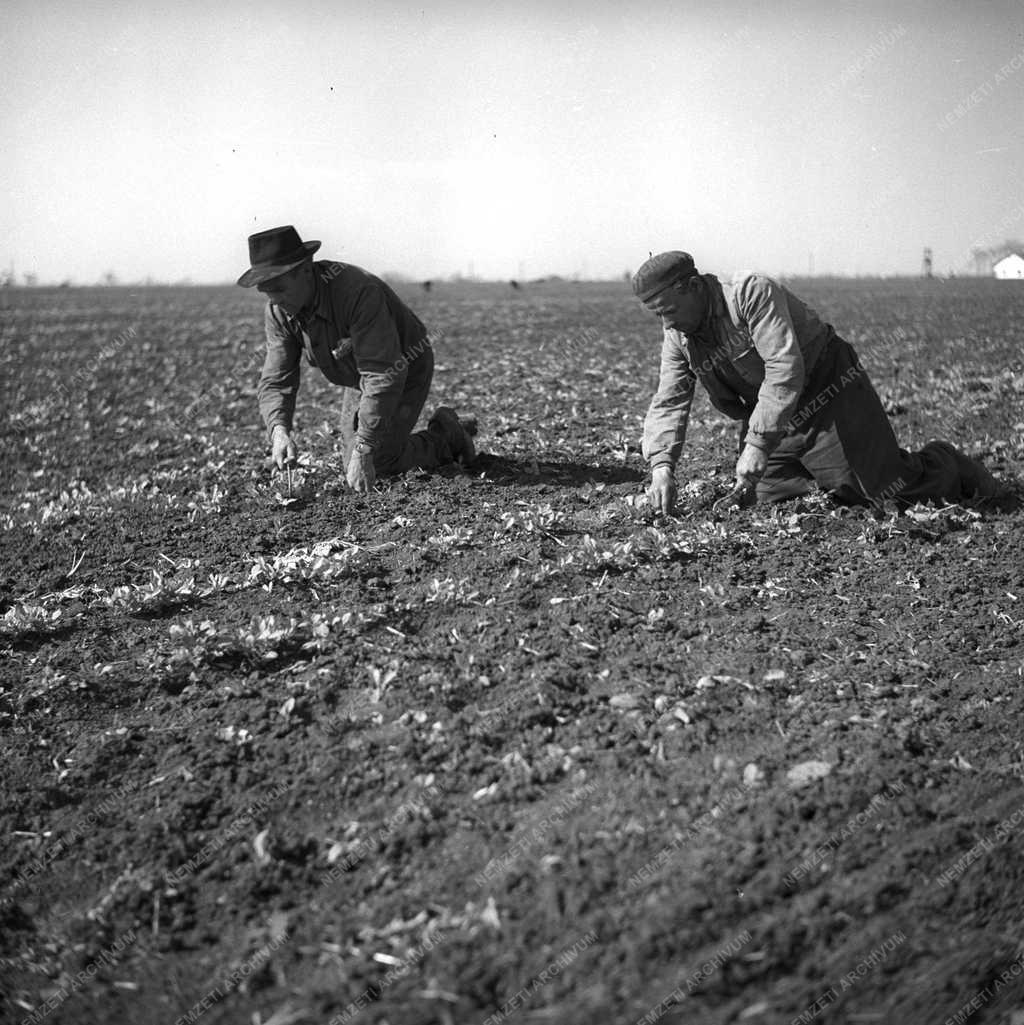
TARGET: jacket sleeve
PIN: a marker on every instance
(762, 305)
(669, 411)
(279, 380)
(382, 370)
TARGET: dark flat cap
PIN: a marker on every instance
(660, 271)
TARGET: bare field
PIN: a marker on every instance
(498, 746)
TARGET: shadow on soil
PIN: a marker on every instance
(502, 470)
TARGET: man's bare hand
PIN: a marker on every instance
(361, 471)
(662, 492)
(282, 448)
(750, 467)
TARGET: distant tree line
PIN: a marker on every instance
(9, 279)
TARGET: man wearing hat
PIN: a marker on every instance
(353, 327)
(809, 413)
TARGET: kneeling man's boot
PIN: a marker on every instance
(457, 433)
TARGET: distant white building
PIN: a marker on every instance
(1008, 267)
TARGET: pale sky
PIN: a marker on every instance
(519, 140)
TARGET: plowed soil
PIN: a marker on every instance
(497, 744)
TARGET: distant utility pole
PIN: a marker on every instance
(810, 264)
(926, 263)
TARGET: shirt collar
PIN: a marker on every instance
(716, 305)
(320, 304)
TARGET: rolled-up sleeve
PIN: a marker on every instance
(762, 305)
(669, 411)
(382, 369)
(279, 380)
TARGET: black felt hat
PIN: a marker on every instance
(273, 252)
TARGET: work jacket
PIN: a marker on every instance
(753, 354)
(358, 333)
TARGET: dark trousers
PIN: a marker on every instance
(402, 450)
(841, 438)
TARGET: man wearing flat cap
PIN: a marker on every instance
(809, 413)
(353, 327)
